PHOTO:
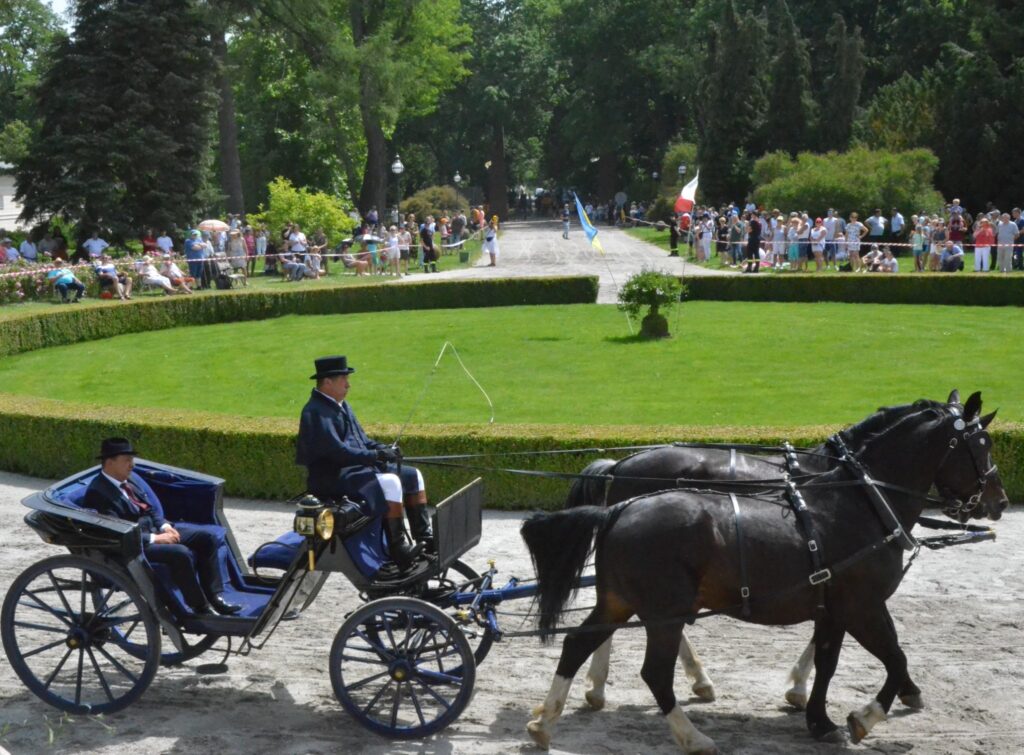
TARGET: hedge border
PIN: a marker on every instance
(256, 456)
(72, 325)
(952, 289)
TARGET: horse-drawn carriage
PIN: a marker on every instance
(87, 631)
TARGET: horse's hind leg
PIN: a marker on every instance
(798, 676)
(597, 675)
(702, 684)
(877, 634)
(576, 648)
(659, 673)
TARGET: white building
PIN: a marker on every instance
(9, 209)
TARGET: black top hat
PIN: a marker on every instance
(116, 447)
(330, 366)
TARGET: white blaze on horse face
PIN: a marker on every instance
(598, 674)
(686, 735)
(703, 687)
(798, 675)
(549, 711)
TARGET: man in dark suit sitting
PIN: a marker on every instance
(117, 491)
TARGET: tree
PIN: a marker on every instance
(124, 119)
(790, 108)
(840, 94)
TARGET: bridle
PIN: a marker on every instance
(978, 443)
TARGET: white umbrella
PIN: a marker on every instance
(213, 225)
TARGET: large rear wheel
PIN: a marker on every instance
(65, 624)
(402, 668)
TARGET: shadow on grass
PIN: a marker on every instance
(635, 338)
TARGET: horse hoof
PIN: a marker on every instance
(594, 700)
(797, 699)
(831, 734)
(540, 737)
(705, 692)
(856, 729)
(912, 701)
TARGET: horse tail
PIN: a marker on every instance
(559, 544)
(586, 490)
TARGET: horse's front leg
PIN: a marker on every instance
(828, 641)
(876, 632)
(597, 675)
(703, 687)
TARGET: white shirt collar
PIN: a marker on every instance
(336, 403)
(116, 483)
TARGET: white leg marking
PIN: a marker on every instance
(549, 711)
(798, 675)
(598, 674)
(862, 721)
(686, 735)
(703, 687)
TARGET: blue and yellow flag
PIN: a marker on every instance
(588, 227)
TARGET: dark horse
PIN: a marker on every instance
(666, 556)
(728, 470)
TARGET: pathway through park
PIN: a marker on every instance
(536, 248)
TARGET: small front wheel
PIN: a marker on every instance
(402, 668)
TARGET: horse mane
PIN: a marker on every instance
(856, 436)
(936, 409)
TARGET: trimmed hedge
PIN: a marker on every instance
(948, 288)
(256, 456)
(71, 325)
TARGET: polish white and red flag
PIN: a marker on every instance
(687, 196)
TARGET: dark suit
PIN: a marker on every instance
(338, 455)
(196, 552)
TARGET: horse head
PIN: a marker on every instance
(968, 479)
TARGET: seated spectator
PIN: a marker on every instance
(152, 277)
(8, 251)
(291, 267)
(173, 273)
(889, 263)
(952, 258)
(872, 261)
(109, 277)
(94, 245)
(63, 279)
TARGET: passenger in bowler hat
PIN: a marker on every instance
(118, 491)
(341, 460)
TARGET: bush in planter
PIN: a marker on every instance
(655, 291)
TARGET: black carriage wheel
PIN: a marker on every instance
(392, 666)
(67, 647)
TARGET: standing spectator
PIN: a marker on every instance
(372, 219)
(917, 240)
(722, 240)
(458, 228)
(955, 209)
(938, 244)
(236, 251)
(706, 229)
(876, 227)
(896, 226)
(318, 246)
(735, 239)
(404, 243)
(427, 241)
(831, 223)
(297, 242)
(250, 251)
(778, 242)
(818, 235)
(63, 279)
(793, 243)
(261, 246)
(806, 252)
(149, 243)
(673, 238)
(60, 251)
(164, 243)
(94, 245)
(957, 227)
(195, 254)
(28, 250)
(1018, 250)
(392, 253)
(565, 221)
(984, 239)
(490, 245)
(855, 231)
(8, 251)
(753, 230)
(1006, 233)
(926, 230)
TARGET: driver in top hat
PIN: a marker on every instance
(341, 460)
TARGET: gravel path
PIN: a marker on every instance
(536, 248)
(958, 613)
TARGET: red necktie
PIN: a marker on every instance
(139, 503)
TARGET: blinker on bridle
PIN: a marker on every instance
(961, 509)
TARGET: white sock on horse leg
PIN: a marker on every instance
(798, 675)
(549, 711)
(703, 687)
(863, 721)
(598, 674)
(686, 734)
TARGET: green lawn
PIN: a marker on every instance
(729, 364)
(337, 277)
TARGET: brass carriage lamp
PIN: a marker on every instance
(314, 518)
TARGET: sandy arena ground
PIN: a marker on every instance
(959, 613)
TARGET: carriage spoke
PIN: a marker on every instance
(376, 647)
(78, 680)
(53, 674)
(47, 607)
(98, 609)
(438, 677)
(119, 606)
(416, 705)
(396, 701)
(363, 682)
(113, 622)
(118, 665)
(430, 691)
(380, 693)
(130, 630)
(391, 636)
(82, 590)
(103, 679)
(356, 659)
(43, 649)
(40, 627)
(60, 593)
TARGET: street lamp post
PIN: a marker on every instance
(457, 179)
(397, 168)
(682, 172)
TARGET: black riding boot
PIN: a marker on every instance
(419, 523)
(402, 552)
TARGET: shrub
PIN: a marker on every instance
(654, 291)
(310, 209)
(257, 456)
(436, 201)
(940, 288)
(63, 326)
(858, 180)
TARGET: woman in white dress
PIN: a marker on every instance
(491, 241)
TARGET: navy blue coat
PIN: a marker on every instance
(103, 496)
(337, 454)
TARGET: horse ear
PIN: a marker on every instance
(987, 419)
(954, 397)
(973, 406)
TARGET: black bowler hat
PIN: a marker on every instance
(116, 447)
(331, 366)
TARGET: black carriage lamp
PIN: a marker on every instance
(313, 519)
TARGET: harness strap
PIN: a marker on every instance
(732, 468)
(744, 582)
(819, 574)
